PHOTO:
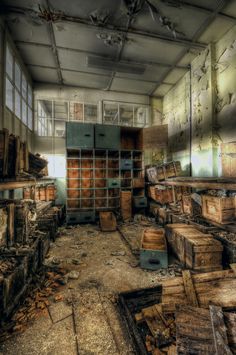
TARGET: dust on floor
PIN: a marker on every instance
(86, 321)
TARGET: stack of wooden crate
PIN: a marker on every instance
(160, 194)
(195, 250)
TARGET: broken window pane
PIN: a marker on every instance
(90, 113)
(61, 110)
(110, 113)
(76, 111)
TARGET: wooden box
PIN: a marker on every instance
(218, 209)
(126, 205)
(42, 193)
(172, 169)
(160, 194)
(228, 159)
(107, 221)
(187, 204)
(50, 193)
(195, 250)
(153, 253)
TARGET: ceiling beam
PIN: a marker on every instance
(198, 33)
(85, 52)
(54, 47)
(87, 23)
(91, 73)
(203, 9)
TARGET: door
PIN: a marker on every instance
(107, 137)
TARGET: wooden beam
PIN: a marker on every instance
(203, 183)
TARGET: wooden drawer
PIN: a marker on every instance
(73, 184)
(126, 205)
(73, 163)
(73, 174)
(218, 209)
(138, 182)
(107, 221)
(73, 193)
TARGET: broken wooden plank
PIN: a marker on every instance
(189, 288)
(219, 331)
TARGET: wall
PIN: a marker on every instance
(200, 109)
(54, 148)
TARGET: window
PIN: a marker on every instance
(18, 92)
(124, 114)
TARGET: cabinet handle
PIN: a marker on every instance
(154, 261)
(87, 135)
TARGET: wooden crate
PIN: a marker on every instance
(172, 169)
(195, 250)
(217, 287)
(198, 337)
(160, 194)
(138, 182)
(107, 221)
(3, 227)
(153, 252)
(50, 192)
(228, 159)
(126, 205)
(42, 193)
(187, 204)
(218, 209)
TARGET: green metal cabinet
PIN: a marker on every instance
(153, 259)
(113, 183)
(140, 201)
(79, 135)
(80, 217)
(107, 137)
(126, 164)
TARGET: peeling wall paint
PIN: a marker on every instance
(176, 113)
(213, 109)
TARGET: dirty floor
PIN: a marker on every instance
(86, 321)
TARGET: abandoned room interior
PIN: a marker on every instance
(117, 177)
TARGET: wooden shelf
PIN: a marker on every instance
(202, 183)
(12, 185)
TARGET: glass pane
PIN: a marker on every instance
(61, 110)
(17, 104)
(59, 128)
(9, 95)
(30, 96)
(9, 62)
(44, 127)
(24, 111)
(30, 118)
(90, 113)
(110, 113)
(17, 76)
(24, 87)
(76, 111)
(126, 115)
(45, 108)
(140, 116)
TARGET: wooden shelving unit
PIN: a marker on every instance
(95, 176)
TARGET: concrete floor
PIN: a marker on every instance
(86, 321)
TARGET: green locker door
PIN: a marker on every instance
(79, 135)
(107, 137)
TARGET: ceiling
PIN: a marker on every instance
(155, 45)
